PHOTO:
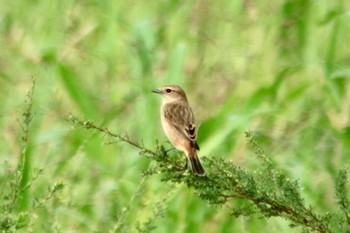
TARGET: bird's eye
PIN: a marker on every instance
(167, 90)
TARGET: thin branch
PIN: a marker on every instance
(225, 181)
(90, 125)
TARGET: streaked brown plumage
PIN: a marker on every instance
(179, 124)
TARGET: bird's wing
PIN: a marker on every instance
(180, 115)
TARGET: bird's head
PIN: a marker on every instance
(171, 93)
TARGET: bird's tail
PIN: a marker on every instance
(196, 165)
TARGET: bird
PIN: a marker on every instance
(179, 124)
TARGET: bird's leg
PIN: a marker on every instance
(186, 164)
(164, 151)
(173, 148)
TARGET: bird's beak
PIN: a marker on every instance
(156, 91)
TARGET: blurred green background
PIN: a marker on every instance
(278, 68)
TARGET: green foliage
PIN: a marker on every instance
(267, 190)
(343, 201)
(15, 191)
(279, 69)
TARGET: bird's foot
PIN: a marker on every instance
(164, 151)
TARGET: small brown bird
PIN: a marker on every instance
(179, 124)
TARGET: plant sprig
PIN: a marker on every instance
(267, 190)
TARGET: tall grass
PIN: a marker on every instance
(279, 69)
